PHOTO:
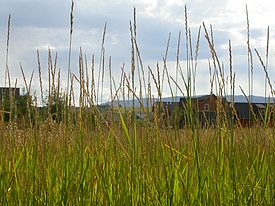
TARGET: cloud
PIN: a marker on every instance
(38, 24)
(38, 13)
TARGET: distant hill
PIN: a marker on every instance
(149, 103)
(145, 102)
(254, 99)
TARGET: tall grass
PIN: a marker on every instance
(92, 156)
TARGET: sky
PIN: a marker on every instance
(39, 25)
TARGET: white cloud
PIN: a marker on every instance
(42, 24)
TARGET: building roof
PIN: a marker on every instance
(260, 106)
(198, 97)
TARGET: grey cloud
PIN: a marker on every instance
(40, 23)
(37, 13)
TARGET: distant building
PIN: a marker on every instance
(167, 112)
(246, 113)
(204, 107)
(6, 91)
(167, 108)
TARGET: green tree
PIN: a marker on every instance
(24, 107)
(17, 107)
(55, 105)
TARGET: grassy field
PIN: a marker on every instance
(74, 164)
(80, 160)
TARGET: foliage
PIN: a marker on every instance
(19, 107)
(55, 105)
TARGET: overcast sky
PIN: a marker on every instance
(39, 25)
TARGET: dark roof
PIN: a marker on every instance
(260, 106)
(199, 97)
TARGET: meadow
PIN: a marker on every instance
(76, 156)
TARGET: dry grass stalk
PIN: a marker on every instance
(266, 59)
(119, 90)
(249, 60)
(50, 92)
(157, 82)
(58, 93)
(102, 75)
(12, 103)
(93, 87)
(218, 68)
(192, 70)
(139, 64)
(165, 69)
(87, 78)
(187, 51)
(54, 72)
(71, 94)
(149, 92)
(30, 82)
(266, 73)
(178, 61)
(231, 74)
(164, 59)
(70, 45)
(267, 78)
(250, 105)
(132, 60)
(7, 72)
(123, 76)
(24, 78)
(40, 76)
(141, 68)
(28, 88)
(101, 64)
(177, 85)
(81, 79)
(111, 91)
(196, 56)
(211, 77)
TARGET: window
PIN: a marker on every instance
(206, 107)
